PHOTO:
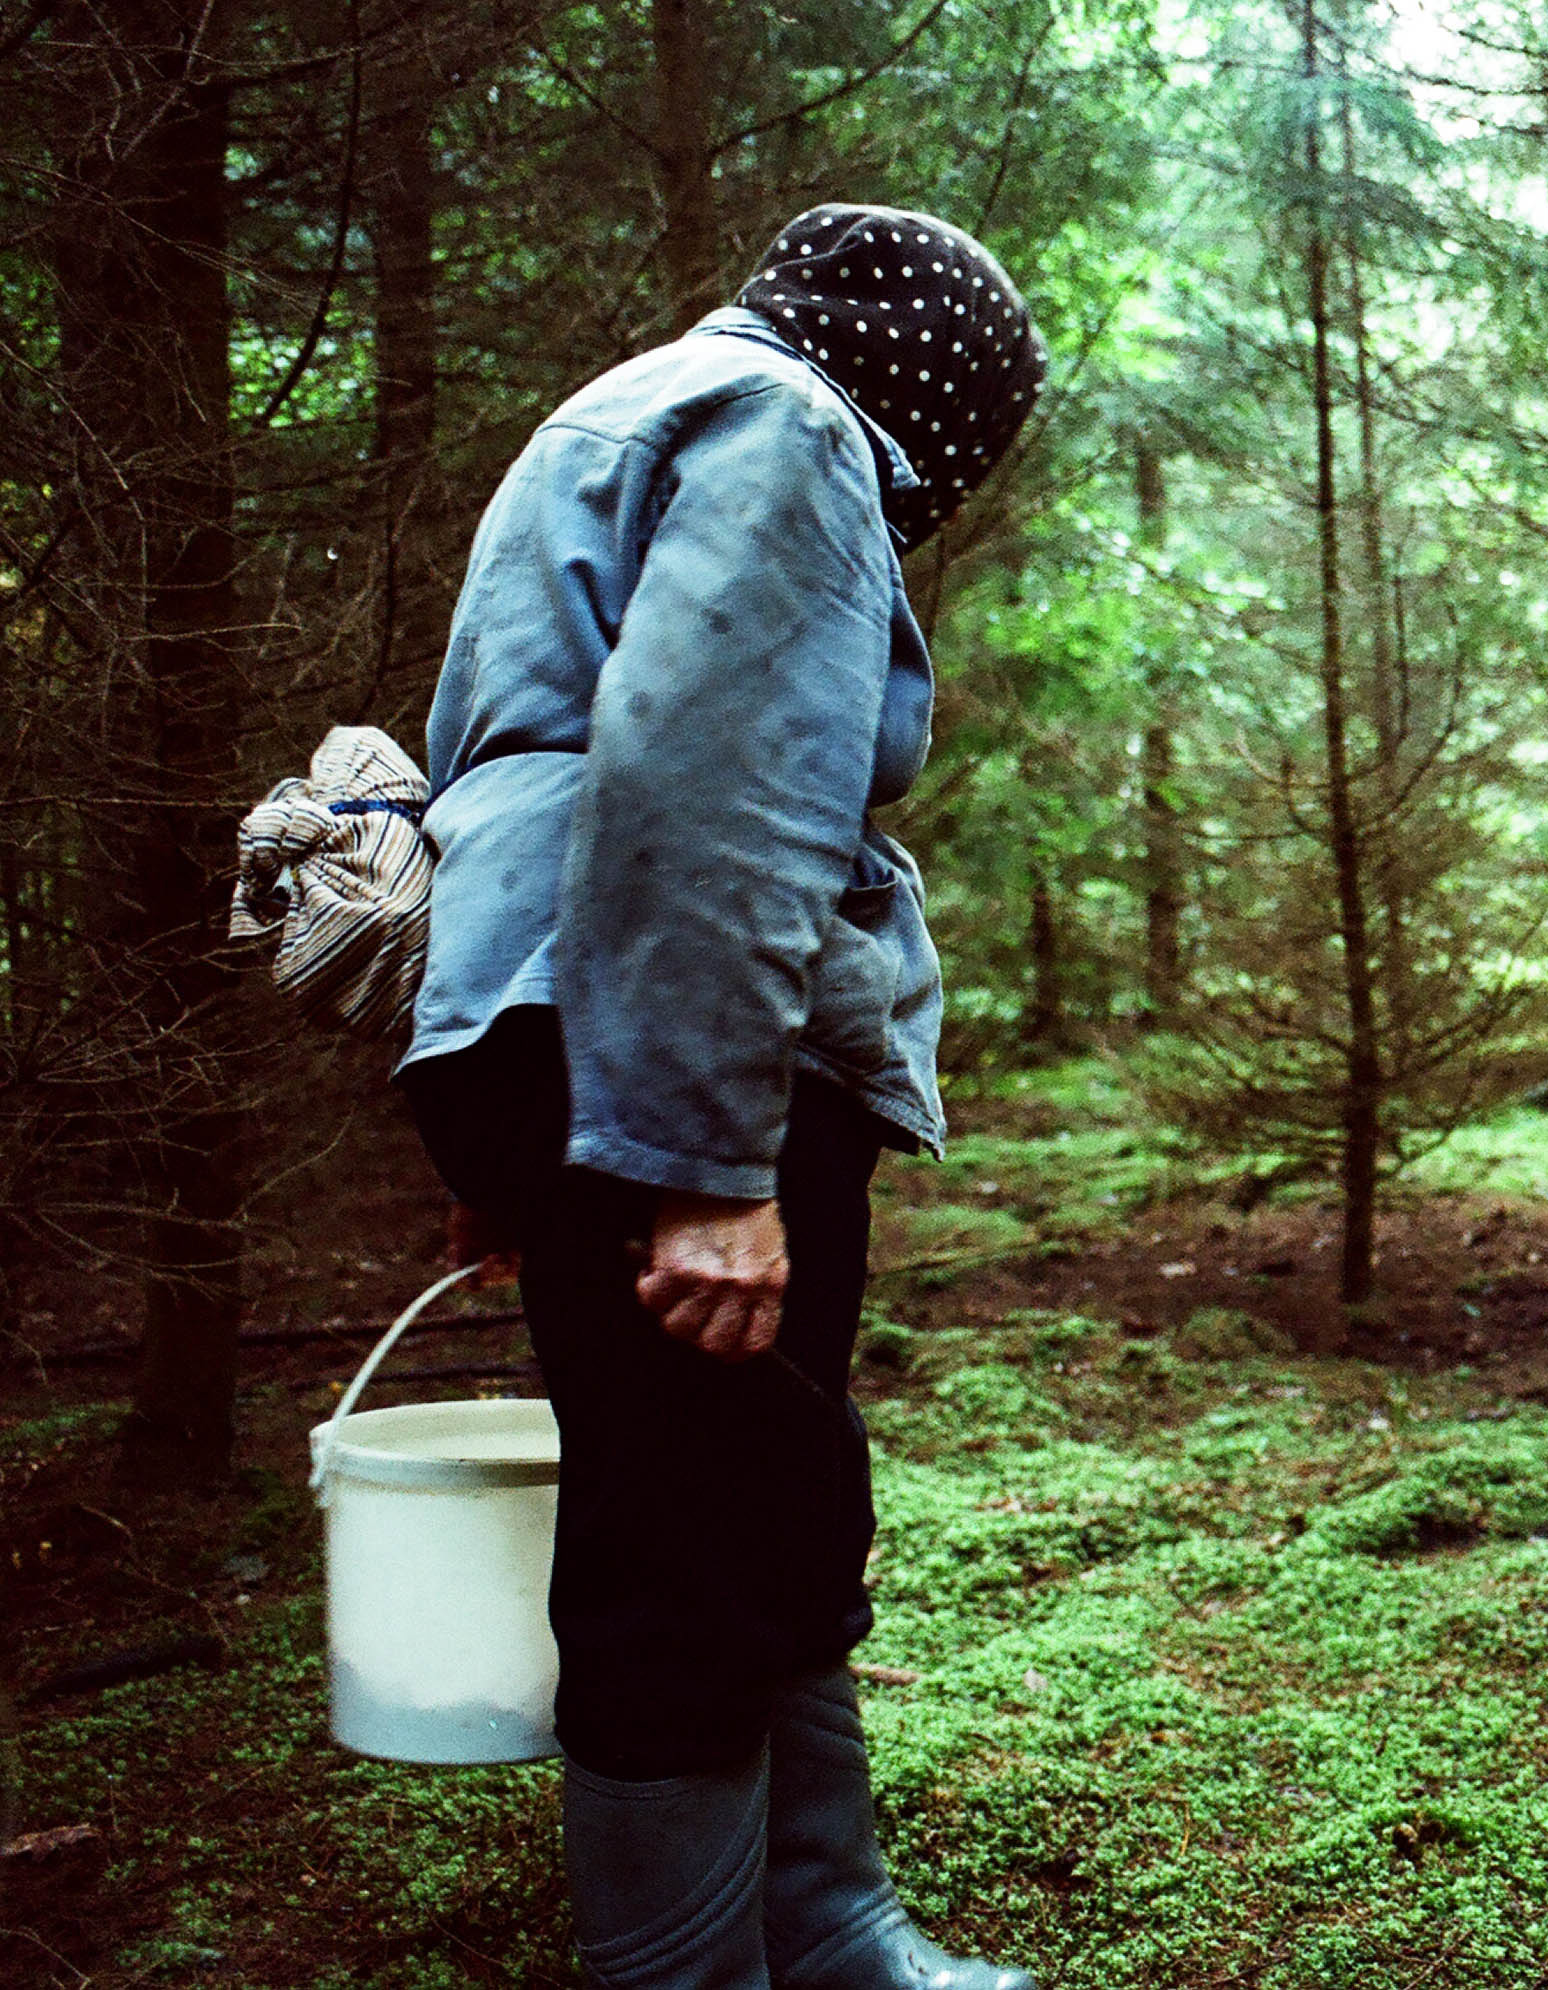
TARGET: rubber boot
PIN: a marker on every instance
(832, 1918)
(666, 1878)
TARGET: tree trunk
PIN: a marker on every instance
(400, 189)
(144, 348)
(681, 34)
(1363, 1077)
(1047, 1019)
(1395, 969)
(1163, 844)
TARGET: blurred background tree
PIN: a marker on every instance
(1372, 908)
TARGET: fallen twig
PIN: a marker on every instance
(145, 1662)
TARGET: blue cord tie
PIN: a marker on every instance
(408, 810)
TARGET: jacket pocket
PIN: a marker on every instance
(855, 981)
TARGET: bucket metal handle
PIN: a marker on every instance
(389, 1340)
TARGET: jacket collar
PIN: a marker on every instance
(741, 323)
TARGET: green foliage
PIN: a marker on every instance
(1191, 338)
(1467, 1492)
(1504, 1154)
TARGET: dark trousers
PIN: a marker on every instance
(714, 1519)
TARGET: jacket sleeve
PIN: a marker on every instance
(730, 756)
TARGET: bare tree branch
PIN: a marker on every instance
(314, 331)
(847, 88)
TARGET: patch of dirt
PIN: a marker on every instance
(1457, 1283)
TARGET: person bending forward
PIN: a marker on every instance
(679, 994)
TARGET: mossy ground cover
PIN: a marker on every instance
(1200, 1661)
(1237, 1665)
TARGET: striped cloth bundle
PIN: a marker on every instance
(336, 866)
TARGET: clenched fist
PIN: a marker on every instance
(717, 1272)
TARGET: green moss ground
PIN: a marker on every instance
(1249, 1689)
(1230, 1669)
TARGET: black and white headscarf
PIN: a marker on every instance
(924, 331)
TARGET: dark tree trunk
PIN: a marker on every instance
(1046, 1023)
(1163, 843)
(182, 1421)
(144, 345)
(681, 40)
(1363, 1076)
(400, 197)
(1396, 980)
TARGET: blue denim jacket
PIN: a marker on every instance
(681, 669)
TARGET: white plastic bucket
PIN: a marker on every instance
(439, 1542)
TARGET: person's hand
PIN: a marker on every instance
(716, 1273)
(470, 1239)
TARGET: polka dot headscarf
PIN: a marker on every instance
(921, 327)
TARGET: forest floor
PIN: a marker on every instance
(1212, 1640)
